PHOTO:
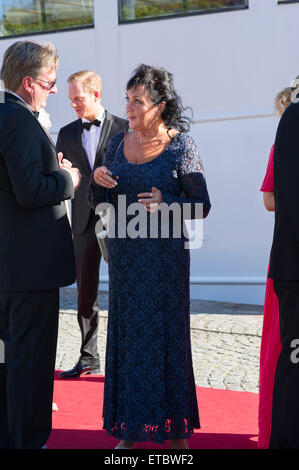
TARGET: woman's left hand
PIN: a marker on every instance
(151, 201)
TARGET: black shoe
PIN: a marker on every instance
(80, 369)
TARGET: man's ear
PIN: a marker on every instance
(98, 94)
(27, 84)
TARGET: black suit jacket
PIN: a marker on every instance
(36, 250)
(284, 260)
(69, 142)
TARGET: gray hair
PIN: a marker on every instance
(24, 58)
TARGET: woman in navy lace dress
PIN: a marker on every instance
(149, 384)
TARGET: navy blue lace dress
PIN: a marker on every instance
(149, 384)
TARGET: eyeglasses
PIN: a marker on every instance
(51, 84)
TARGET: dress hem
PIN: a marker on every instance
(148, 433)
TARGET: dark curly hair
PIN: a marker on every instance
(159, 85)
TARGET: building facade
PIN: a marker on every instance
(229, 59)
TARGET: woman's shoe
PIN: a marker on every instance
(125, 445)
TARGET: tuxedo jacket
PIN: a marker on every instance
(36, 249)
(69, 142)
(284, 259)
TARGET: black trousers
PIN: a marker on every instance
(29, 328)
(88, 257)
(285, 414)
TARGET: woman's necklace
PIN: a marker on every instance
(142, 142)
(138, 138)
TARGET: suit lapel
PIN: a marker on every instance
(47, 134)
(77, 136)
(104, 138)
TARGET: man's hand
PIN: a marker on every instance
(76, 176)
(63, 162)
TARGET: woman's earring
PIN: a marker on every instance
(157, 117)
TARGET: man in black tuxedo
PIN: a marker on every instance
(36, 251)
(84, 143)
(284, 269)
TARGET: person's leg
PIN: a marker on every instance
(88, 257)
(174, 444)
(285, 414)
(4, 431)
(125, 445)
(30, 352)
(179, 444)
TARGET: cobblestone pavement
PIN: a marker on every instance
(225, 340)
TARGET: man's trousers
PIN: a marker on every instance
(88, 257)
(29, 328)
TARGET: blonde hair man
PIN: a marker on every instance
(84, 142)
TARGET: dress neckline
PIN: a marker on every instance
(153, 159)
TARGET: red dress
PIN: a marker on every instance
(270, 343)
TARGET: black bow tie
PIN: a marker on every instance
(87, 125)
(36, 114)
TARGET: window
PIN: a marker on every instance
(19, 17)
(136, 10)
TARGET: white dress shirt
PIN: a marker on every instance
(90, 139)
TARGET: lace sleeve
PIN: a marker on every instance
(192, 181)
(96, 193)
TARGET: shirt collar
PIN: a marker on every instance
(18, 96)
(100, 116)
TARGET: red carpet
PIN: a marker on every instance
(228, 418)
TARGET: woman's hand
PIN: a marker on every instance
(151, 201)
(102, 177)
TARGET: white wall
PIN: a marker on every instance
(228, 68)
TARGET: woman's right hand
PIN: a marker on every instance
(102, 177)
